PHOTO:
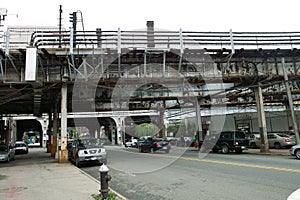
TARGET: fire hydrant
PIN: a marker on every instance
(104, 178)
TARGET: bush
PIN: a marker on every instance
(111, 196)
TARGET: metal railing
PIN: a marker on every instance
(163, 39)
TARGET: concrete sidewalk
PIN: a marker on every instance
(38, 176)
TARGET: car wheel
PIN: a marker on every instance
(239, 151)
(141, 149)
(277, 145)
(297, 153)
(253, 145)
(215, 150)
(224, 149)
(151, 150)
(77, 162)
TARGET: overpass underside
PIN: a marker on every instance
(132, 70)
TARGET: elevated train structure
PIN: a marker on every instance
(145, 69)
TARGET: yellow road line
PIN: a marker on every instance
(223, 162)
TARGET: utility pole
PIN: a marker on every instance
(60, 18)
(290, 100)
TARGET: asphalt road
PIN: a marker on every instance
(183, 175)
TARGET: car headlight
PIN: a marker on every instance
(101, 151)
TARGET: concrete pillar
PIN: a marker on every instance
(264, 146)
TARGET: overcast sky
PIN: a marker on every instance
(190, 15)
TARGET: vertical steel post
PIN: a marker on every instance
(199, 123)
(264, 146)
(291, 104)
(119, 52)
(63, 153)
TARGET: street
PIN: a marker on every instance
(183, 175)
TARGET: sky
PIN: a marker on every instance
(188, 15)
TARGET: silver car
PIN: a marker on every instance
(295, 151)
(87, 150)
(7, 153)
(275, 140)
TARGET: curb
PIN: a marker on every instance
(121, 197)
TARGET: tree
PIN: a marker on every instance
(146, 129)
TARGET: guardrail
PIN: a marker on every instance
(162, 39)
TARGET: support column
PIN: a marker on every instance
(55, 133)
(199, 123)
(63, 152)
(291, 104)
(264, 146)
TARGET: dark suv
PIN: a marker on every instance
(227, 141)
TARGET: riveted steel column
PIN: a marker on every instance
(264, 146)
(291, 104)
(63, 153)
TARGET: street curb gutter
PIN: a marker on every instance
(121, 197)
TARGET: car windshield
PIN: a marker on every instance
(3, 148)
(240, 135)
(92, 142)
(20, 145)
(283, 135)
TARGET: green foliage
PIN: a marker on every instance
(146, 129)
(173, 128)
(111, 196)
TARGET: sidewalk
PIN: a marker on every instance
(38, 176)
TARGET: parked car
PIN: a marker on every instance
(254, 140)
(7, 153)
(172, 140)
(226, 141)
(280, 140)
(87, 150)
(21, 147)
(295, 151)
(152, 144)
(276, 140)
(131, 143)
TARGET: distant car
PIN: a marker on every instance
(172, 140)
(295, 151)
(7, 153)
(21, 147)
(87, 150)
(152, 144)
(254, 140)
(131, 143)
